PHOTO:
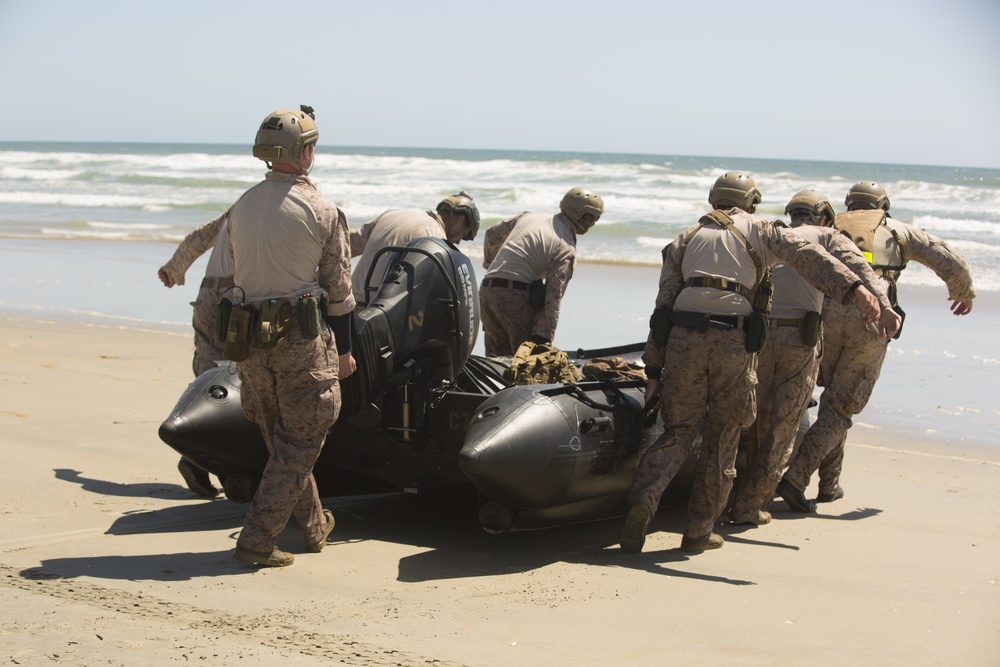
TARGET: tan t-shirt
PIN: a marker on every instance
(395, 227)
(286, 240)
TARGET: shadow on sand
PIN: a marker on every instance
(443, 522)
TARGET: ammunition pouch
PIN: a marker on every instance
(902, 318)
(275, 325)
(755, 325)
(222, 312)
(536, 294)
(310, 316)
(659, 326)
(240, 331)
(812, 328)
(754, 332)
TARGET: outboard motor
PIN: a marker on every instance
(416, 335)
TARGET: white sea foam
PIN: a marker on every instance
(157, 193)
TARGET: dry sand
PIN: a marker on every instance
(107, 559)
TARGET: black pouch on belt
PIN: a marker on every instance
(754, 332)
(659, 326)
(902, 318)
(536, 294)
(222, 312)
(812, 323)
(309, 316)
(240, 332)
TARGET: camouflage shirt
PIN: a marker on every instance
(194, 246)
(931, 251)
(794, 297)
(716, 251)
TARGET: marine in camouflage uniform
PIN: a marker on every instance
(526, 249)
(207, 350)
(789, 361)
(455, 220)
(853, 354)
(288, 240)
(708, 375)
(218, 278)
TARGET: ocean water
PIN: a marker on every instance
(131, 193)
(84, 227)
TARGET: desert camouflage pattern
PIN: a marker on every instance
(774, 242)
(213, 234)
(207, 350)
(306, 250)
(931, 251)
(395, 227)
(196, 244)
(851, 364)
(508, 319)
(898, 243)
(708, 379)
(529, 247)
(787, 369)
(708, 376)
(293, 395)
(786, 376)
(794, 297)
(853, 357)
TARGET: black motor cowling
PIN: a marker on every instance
(421, 326)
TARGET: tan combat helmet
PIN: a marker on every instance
(734, 189)
(463, 204)
(865, 195)
(814, 203)
(284, 134)
(581, 202)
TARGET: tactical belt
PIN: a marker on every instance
(701, 321)
(718, 282)
(503, 282)
(218, 283)
(775, 322)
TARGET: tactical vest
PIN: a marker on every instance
(725, 221)
(878, 242)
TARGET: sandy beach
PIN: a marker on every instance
(107, 558)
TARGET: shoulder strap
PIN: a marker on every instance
(724, 220)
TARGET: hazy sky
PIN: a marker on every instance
(907, 81)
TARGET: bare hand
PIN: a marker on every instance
(962, 307)
(165, 278)
(888, 323)
(347, 366)
(867, 303)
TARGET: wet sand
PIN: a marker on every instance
(107, 558)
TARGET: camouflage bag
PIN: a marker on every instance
(541, 363)
(612, 368)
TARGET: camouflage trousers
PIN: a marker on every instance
(206, 349)
(707, 377)
(786, 376)
(851, 364)
(508, 319)
(293, 396)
